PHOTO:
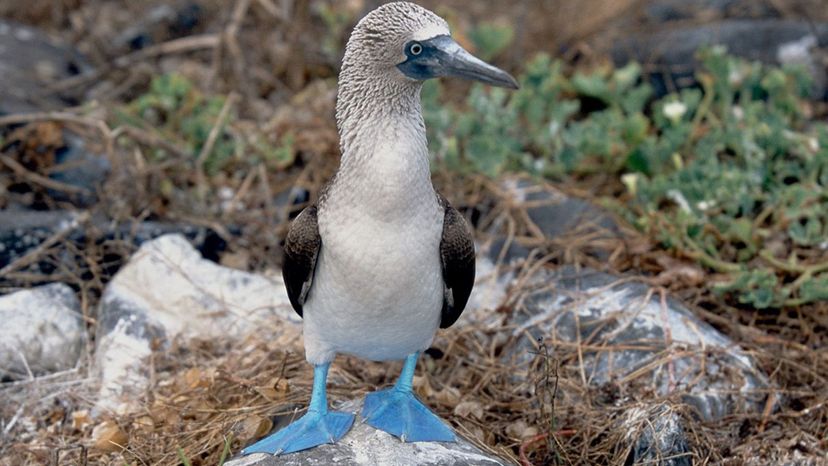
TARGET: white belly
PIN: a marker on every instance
(377, 291)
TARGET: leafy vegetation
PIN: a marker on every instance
(732, 174)
(490, 39)
(175, 110)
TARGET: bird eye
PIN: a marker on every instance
(415, 48)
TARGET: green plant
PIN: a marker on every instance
(183, 457)
(336, 21)
(490, 39)
(178, 112)
(733, 175)
(225, 451)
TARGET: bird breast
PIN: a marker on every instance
(377, 290)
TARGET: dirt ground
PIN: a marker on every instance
(278, 59)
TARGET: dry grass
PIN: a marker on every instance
(207, 395)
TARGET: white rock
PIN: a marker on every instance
(42, 331)
(364, 445)
(120, 358)
(167, 290)
(191, 296)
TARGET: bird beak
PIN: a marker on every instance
(442, 56)
(457, 62)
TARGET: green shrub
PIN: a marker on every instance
(732, 174)
(175, 110)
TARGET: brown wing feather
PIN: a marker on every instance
(457, 257)
(301, 250)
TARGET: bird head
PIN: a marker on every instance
(407, 42)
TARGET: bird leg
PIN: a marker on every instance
(397, 411)
(316, 427)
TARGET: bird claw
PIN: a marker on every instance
(401, 414)
(311, 430)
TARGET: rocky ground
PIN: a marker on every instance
(145, 317)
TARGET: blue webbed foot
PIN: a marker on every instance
(317, 427)
(400, 413)
(397, 411)
(311, 430)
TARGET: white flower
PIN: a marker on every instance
(735, 76)
(630, 180)
(676, 196)
(704, 205)
(675, 110)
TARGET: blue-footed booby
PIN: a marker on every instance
(382, 260)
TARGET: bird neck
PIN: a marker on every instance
(368, 111)
(383, 143)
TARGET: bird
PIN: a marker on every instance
(382, 259)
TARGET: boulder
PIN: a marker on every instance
(42, 331)
(771, 41)
(631, 335)
(364, 445)
(633, 344)
(633, 339)
(555, 216)
(662, 11)
(168, 290)
(29, 61)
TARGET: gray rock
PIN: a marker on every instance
(76, 166)
(42, 331)
(661, 11)
(633, 339)
(167, 290)
(30, 60)
(64, 158)
(657, 436)
(364, 445)
(556, 216)
(769, 41)
(161, 23)
(24, 230)
(290, 202)
(21, 231)
(630, 342)
(490, 286)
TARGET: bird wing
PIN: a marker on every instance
(457, 259)
(301, 250)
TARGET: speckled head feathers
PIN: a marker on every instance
(378, 40)
(391, 52)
